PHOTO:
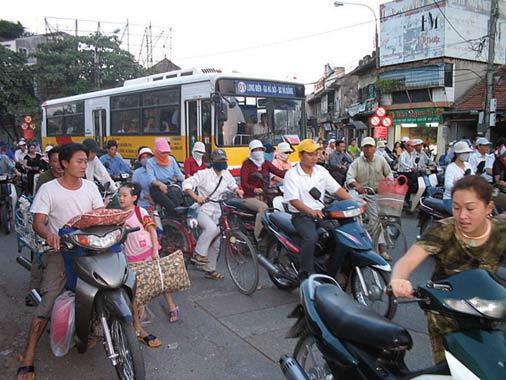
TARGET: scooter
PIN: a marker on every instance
(341, 339)
(104, 288)
(430, 210)
(344, 251)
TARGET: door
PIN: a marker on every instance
(99, 127)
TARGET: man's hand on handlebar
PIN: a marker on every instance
(164, 188)
(258, 191)
(402, 288)
(240, 193)
(316, 214)
(53, 241)
(200, 200)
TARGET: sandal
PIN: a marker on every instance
(213, 275)
(174, 315)
(150, 340)
(199, 259)
(26, 370)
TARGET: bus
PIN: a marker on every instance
(221, 110)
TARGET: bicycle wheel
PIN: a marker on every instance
(241, 261)
(394, 239)
(173, 238)
(311, 359)
(373, 296)
(130, 362)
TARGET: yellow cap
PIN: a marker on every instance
(308, 145)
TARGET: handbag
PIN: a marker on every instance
(157, 276)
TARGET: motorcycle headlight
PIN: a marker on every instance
(92, 241)
(493, 309)
(462, 306)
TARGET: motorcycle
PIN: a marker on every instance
(341, 339)
(344, 251)
(104, 290)
(8, 199)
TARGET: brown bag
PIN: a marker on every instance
(157, 276)
(102, 217)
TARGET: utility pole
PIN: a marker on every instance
(489, 94)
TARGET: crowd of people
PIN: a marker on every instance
(63, 191)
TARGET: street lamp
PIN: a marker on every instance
(376, 41)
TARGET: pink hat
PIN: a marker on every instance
(162, 145)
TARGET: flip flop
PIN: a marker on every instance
(26, 370)
(213, 275)
(150, 340)
(199, 259)
(174, 315)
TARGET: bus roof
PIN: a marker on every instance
(162, 80)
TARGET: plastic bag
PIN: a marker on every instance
(62, 329)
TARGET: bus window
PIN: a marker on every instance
(55, 126)
(164, 119)
(125, 122)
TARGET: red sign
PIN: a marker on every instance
(380, 133)
(27, 119)
(387, 122)
(381, 111)
(374, 121)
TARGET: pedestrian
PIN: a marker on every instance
(353, 150)
(140, 246)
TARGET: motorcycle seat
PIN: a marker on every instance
(283, 221)
(181, 210)
(349, 320)
(238, 203)
(435, 203)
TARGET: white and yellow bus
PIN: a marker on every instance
(221, 110)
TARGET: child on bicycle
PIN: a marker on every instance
(140, 246)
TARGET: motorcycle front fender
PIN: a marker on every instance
(353, 235)
(85, 298)
(479, 352)
(115, 302)
(299, 326)
(369, 259)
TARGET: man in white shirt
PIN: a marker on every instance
(305, 209)
(407, 165)
(95, 168)
(19, 154)
(481, 161)
(421, 158)
(55, 204)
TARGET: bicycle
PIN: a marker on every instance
(240, 255)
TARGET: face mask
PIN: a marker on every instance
(464, 157)
(258, 156)
(198, 155)
(283, 156)
(220, 165)
(144, 161)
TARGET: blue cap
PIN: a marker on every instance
(3, 143)
(269, 148)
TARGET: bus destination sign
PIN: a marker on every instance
(255, 88)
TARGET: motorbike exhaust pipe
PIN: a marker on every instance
(292, 369)
(35, 296)
(24, 262)
(264, 261)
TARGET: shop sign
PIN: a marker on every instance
(417, 116)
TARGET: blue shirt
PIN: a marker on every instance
(115, 166)
(141, 177)
(163, 174)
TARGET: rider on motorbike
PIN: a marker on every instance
(113, 162)
(469, 240)
(298, 183)
(57, 202)
(8, 167)
(255, 172)
(95, 170)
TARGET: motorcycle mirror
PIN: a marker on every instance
(315, 193)
(467, 172)
(417, 160)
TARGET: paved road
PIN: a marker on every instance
(222, 335)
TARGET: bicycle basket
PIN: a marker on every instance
(397, 186)
(390, 204)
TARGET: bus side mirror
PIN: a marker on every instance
(221, 111)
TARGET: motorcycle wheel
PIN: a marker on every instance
(279, 258)
(311, 359)
(130, 364)
(376, 299)
(5, 219)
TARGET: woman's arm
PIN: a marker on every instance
(154, 241)
(399, 282)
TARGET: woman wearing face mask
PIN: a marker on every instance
(255, 171)
(195, 163)
(210, 183)
(163, 170)
(281, 161)
(140, 176)
(455, 171)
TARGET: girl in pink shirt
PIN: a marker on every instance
(139, 246)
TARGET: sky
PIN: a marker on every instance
(274, 38)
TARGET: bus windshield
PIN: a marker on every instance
(269, 119)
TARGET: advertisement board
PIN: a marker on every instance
(412, 30)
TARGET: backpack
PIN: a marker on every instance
(153, 214)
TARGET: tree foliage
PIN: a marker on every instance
(78, 64)
(16, 86)
(10, 30)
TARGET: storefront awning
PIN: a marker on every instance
(357, 124)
